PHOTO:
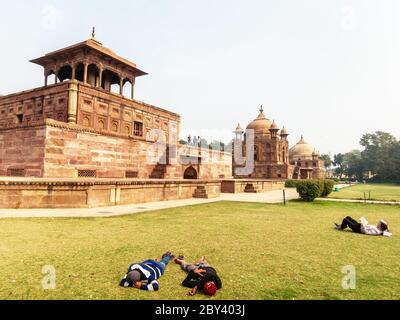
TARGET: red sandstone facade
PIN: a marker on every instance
(265, 152)
(306, 161)
(81, 127)
(267, 149)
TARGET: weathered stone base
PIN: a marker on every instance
(40, 193)
(251, 185)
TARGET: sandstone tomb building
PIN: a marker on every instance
(82, 126)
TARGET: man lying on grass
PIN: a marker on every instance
(201, 277)
(364, 227)
(144, 275)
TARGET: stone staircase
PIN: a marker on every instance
(200, 193)
(159, 171)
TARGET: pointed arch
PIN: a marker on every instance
(190, 173)
(64, 73)
(110, 81)
(127, 88)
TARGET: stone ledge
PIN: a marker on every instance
(30, 194)
(251, 185)
(42, 182)
(72, 127)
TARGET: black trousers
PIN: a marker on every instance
(352, 224)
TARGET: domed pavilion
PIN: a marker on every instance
(306, 161)
(269, 158)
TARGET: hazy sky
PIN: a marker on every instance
(327, 69)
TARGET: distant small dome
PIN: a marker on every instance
(261, 124)
(284, 132)
(239, 128)
(274, 126)
(302, 150)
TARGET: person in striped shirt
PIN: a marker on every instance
(363, 227)
(144, 275)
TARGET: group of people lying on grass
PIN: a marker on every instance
(201, 276)
(363, 227)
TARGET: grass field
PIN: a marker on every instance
(261, 252)
(381, 191)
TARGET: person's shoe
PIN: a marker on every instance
(179, 260)
(337, 227)
(169, 253)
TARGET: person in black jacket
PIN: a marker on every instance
(201, 276)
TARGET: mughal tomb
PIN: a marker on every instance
(83, 140)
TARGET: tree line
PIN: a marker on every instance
(379, 160)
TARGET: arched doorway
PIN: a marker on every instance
(80, 72)
(65, 73)
(190, 173)
(111, 82)
(127, 88)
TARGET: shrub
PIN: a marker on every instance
(309, 189)
(291, 183)
(183, 142)
(328, 188)
(321, 185)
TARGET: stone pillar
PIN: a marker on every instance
(121, 86)
(85, 73)
(55, 78)
(46, 77)
(72, 102)
(133, 89)
(100, 78)
(73, 72)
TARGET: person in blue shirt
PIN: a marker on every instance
(144, 275)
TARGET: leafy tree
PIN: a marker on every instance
(381, 155)
(217, 145)
(228, 147)
(353, 165)
(203, 143)
(338, 163)
(328, 160)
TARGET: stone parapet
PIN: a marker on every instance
(42, 193)
(251, 185)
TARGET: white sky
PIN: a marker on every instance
(327, 69)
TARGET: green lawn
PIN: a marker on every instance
(261, 252)
(377, 191)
